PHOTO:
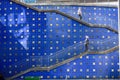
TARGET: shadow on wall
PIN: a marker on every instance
(16, 22)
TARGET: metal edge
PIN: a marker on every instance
(99, 4)
(45, 68)
(68, 16)
(119, 31)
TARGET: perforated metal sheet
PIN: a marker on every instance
(41, 39)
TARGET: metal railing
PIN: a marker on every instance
(94, 19)
(56, 1)
(68, 16)
(46, 61)
(100, 45)
(65, 54)
(41, 63)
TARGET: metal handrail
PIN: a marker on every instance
(50, 67)
(61, 63)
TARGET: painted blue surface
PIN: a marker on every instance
(29, 39)
(96, 15)
(89, 66)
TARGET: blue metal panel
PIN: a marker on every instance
(29, 39)
(90, 66)
(95, 15)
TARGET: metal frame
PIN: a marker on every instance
(105, 3)
(101, 4)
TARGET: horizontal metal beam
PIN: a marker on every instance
(101, 4)
(68, 16)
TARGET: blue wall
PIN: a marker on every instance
(26, 36)
(96, 15)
